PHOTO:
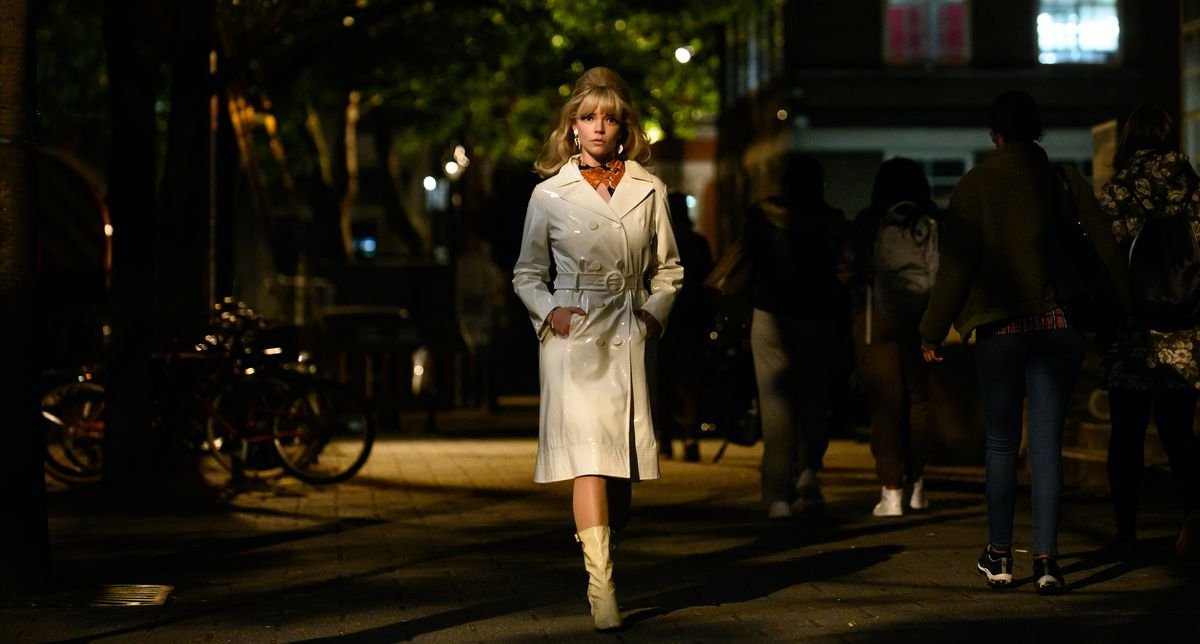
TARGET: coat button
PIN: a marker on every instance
(593, 225)
(599, 343)
(617, 343)
(620, 263)
(595, 266)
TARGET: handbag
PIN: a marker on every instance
(1080, 279)
(731, 275)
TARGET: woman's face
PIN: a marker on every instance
(599, 135)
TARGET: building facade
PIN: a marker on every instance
(856, 82)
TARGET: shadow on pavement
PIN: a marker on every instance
(174, 557)
(1138, 622)
(731, 581)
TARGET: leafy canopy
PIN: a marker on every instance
(491, 73)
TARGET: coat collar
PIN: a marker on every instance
(633, 189)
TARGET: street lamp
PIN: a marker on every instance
(684, 54)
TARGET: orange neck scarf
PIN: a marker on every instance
(608, 174)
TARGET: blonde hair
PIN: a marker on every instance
(598, 87)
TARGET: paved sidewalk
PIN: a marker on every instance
(447, 540)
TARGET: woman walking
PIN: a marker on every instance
(995, 279)
(1147, 371)
(896, 256)
(600, 222)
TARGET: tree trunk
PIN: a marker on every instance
(181, 293)
(327, 190)
(398, 217)
(128, 457)
(24, 541)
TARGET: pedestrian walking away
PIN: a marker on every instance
(1153, 203)
(683, 356)
(598, 272)
(794, 242)
(895, 261)
(995, 278)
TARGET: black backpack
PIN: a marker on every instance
(1164, 273)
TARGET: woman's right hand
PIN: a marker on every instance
(560, 319)
(930, 352)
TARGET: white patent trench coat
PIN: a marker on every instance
(611, 259)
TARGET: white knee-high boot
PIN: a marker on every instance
(602, 593)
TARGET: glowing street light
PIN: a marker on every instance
(430, 184)
(684, 54)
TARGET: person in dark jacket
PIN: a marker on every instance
(682, 351)
(794, 241)
(995, 278)
(1152, 368)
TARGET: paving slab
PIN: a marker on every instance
(447, 539)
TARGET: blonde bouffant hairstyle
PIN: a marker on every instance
(598, 87)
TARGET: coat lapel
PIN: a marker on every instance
(580, 193)
(635, 186)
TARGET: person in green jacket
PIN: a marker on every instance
(995, 278)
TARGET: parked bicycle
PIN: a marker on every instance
(256, 411)
(73, 412)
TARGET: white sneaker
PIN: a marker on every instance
(891, 504)
(779, 510)
(918, 501)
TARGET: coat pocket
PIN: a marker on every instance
(577, 322)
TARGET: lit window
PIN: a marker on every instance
(1077, 31)
(921, 31)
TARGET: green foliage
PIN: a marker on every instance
(72, 81)
(489, 73)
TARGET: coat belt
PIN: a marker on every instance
(611, 282)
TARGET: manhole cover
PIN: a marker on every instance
(132, 595)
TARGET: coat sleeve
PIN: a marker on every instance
(1099, 227)
(664, 272)
(531, 274)
(1110, 205)
(958, 263)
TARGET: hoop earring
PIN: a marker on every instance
(621, 149)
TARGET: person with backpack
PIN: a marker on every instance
(1153, 202)
(896, 260)
(995, 277)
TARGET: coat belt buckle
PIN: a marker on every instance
(614, 281)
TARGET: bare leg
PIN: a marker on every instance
(589, 500)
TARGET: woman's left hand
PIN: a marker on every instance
(653, 328)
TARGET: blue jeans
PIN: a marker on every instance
(1042, 365)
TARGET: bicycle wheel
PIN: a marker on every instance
(217, 437)
(73, 416)
(327, 434)
(238, 427)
